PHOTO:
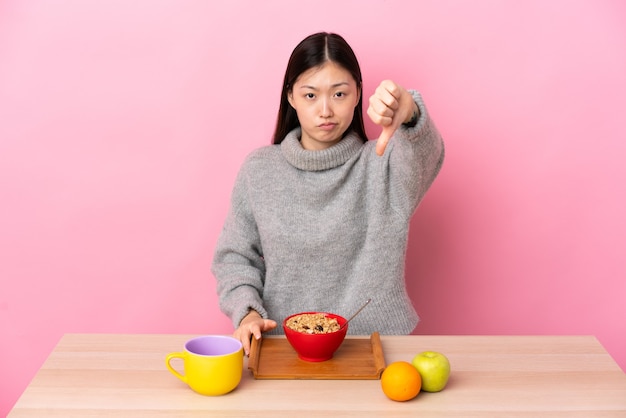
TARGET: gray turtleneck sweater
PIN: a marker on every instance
(325, 230)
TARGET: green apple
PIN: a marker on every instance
(434, 368)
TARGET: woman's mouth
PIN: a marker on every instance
(327, 126)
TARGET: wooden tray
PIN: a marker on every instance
(358, 358)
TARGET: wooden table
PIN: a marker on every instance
(98, 375)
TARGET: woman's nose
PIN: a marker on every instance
(326, 108)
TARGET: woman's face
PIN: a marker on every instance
(324, 99)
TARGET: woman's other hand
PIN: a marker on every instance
(252, 325)
(390, 106)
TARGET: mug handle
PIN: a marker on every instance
(169, 358)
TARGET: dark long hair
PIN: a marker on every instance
(312, 52)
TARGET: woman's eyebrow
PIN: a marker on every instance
(341, 83)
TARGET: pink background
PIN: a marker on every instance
(123, 125)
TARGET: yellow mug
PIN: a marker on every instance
(213, 364)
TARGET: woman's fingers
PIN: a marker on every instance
(388, 108)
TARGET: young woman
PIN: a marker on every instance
(319, 220)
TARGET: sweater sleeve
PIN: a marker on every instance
(415, 158)
(238, 264)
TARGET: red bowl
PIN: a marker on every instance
(316, 347)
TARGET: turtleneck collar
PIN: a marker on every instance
(326, 159)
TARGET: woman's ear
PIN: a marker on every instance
(290, 97)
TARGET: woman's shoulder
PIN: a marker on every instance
(267, 154)
(266, 151)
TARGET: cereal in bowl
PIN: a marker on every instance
(313, 323)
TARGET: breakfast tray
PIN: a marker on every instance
(272, 357)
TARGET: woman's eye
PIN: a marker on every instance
(309, 96)
(340, 94)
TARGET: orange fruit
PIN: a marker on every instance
(401, 381)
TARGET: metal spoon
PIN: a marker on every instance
(356, 313)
